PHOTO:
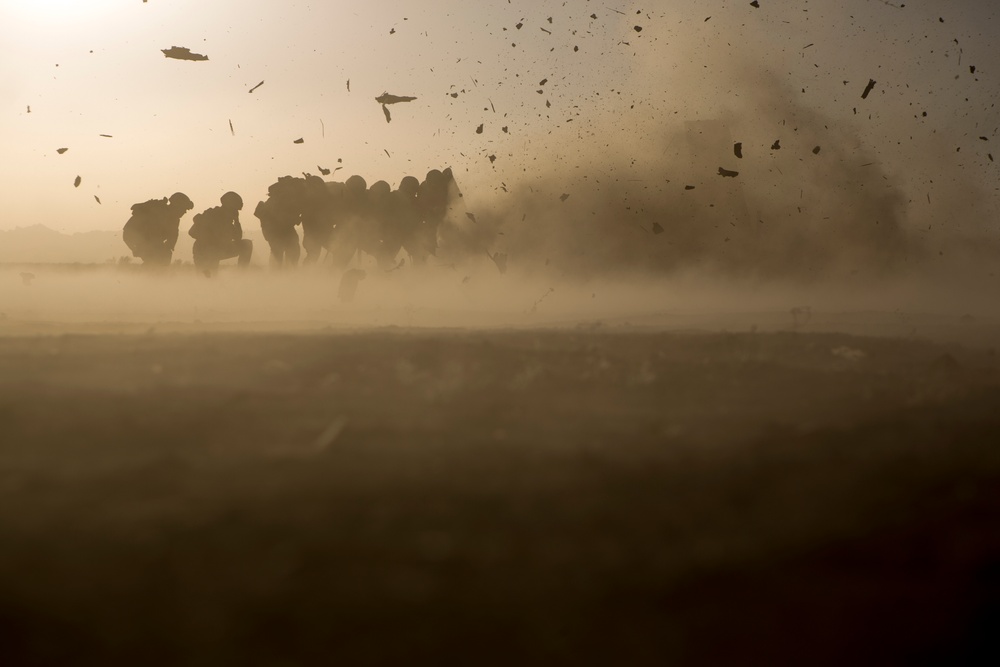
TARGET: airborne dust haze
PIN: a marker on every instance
(708, 341)
(705, 178)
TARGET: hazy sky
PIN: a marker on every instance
(92, 67)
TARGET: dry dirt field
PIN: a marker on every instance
(557, 495)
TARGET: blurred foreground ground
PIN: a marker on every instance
(594, 494)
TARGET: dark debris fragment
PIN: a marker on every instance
(182, 53)
(386, 98)
(725, 173)
(738, 149)
(868, 89)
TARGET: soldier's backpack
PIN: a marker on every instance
(153, 208)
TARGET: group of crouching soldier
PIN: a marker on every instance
(341, 219)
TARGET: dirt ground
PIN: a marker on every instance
(571, 496)
(580, 495)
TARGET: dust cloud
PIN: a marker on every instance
(726, 206)
(811, 201)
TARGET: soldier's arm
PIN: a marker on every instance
(237, 229)
(172, 233)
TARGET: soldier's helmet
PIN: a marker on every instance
(355, 185)
(181, 200)
(335, 188)
(232, 200)
(314, 181)
(409, 185)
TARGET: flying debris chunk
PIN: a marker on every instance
(816, 150)
(493, 158)
(868, 89)
(182, 53)
(479, 130)
(98, 199)
(776, 146)
(61, 150)
(657, 228)
(388, 116)
(300, 140)
(755, 4)
(563, 197)
(324, 172)
(637, 28)
(470, 216)
(728, 174)
(107, 136)
(231, 130)
(386, 98)
(348, 85)
(972, 69)
(500, 259)
(689, 187)
(77, 181)
(349, 284)
(257, 86)
(328, 436)
(738, 149)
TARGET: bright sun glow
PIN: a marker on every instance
(60, 11)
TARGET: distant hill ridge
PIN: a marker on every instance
(39, 244)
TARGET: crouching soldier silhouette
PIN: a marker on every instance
(218, 235)
(151, 232)
(279, 214)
